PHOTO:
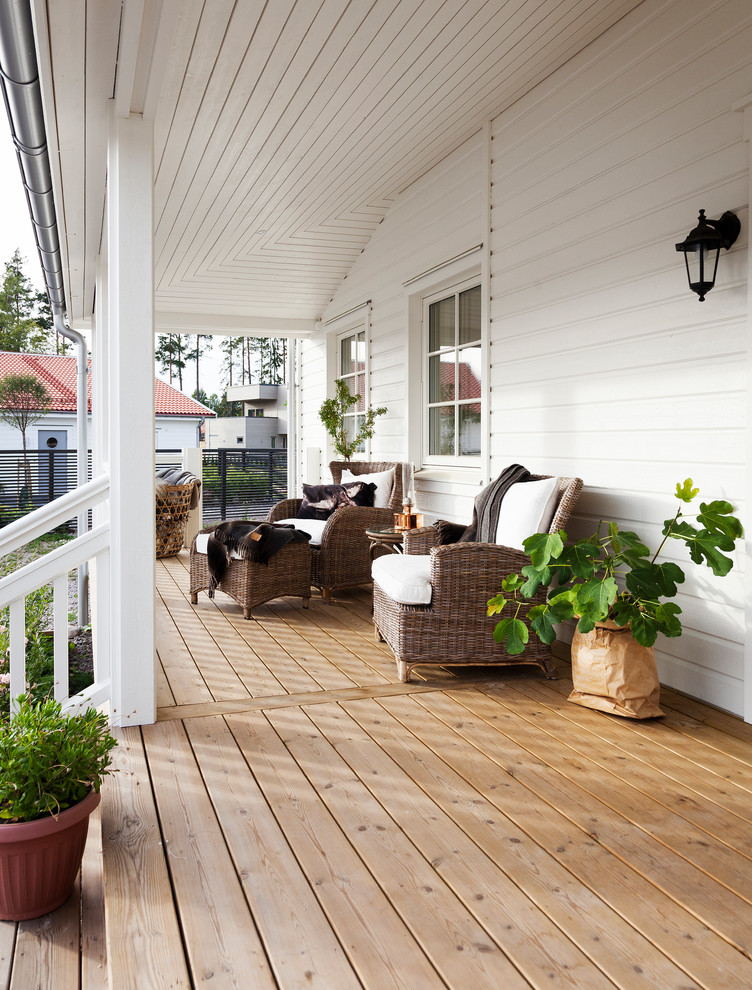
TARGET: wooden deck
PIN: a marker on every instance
(298, 819)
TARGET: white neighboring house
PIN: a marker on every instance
(178, 418)
(263, 425)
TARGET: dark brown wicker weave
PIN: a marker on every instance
(251, 584)
(454, 628)
(343, 558)
(173, 503)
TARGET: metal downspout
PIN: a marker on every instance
(82, 454)
(19, 80)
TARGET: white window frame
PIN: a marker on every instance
(354, 330)
(455, 460)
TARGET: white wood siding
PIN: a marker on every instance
(603, 364)
(434, 219)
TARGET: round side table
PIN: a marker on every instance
(389, 539)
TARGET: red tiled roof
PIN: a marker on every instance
(58, 374)
(171, 402)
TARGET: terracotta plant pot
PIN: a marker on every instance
(39, 861)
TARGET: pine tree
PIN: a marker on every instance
(201, 347)
(229, 347)
(269, 353)
(25, 317)
(171, 357)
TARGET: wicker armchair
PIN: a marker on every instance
(343, 558)
(454, 628)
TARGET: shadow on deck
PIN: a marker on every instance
(297, 818)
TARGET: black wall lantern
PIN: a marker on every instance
(702, 246)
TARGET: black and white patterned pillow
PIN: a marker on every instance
(320, 501)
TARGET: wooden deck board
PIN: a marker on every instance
(606, 938)
(564, 780)
(221, 940)
(276, 888)
(382, 950)
(298, 818)
(472, 752)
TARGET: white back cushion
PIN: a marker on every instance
(528, 507)
(382, 479)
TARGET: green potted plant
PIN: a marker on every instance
(619, 592)
(333, 415)
(51, 769)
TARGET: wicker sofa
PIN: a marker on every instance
(343, 558)
(454, 628)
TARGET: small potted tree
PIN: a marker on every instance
(619, 593)
(333, 415)
(51, 769)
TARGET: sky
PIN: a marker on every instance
(16, 231)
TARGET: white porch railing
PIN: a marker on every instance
(53, 569)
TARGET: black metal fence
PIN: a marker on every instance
(33, 479)
(237, 484)
(242, 484)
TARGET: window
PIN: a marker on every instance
(351, 368)
(452, 349)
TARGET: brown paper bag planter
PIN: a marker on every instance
(612, 673)
(619, 593)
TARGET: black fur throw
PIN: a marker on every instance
(252, 540)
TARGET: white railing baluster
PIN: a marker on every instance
(17, 631)
(101, 630)
(92, 546)
(60, 627)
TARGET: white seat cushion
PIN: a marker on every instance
(404, 577)
(314, 528)
(201, 541)
(528, 507)
(382, 479)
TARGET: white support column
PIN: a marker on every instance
(745, 107)
(99, 593)
(99, 363)
(130, 388)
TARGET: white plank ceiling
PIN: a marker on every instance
(284, 129)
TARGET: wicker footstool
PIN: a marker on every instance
(249, 583)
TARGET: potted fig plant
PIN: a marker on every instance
(333, 415)
(51, 769)
(619, 593)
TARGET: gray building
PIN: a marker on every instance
(263, 424)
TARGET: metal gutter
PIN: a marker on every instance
(19, 80)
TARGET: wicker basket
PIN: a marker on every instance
(173, 506)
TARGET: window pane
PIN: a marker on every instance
(347, 356)
(441, 324)
(441, 430)
(349, 425)
(360, 347)
(470, 315)
(469, 373)
(469, 429)
(358, 424)
(360, 389)
(441, 377)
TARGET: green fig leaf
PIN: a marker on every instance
(685, 492)
(513, 634)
